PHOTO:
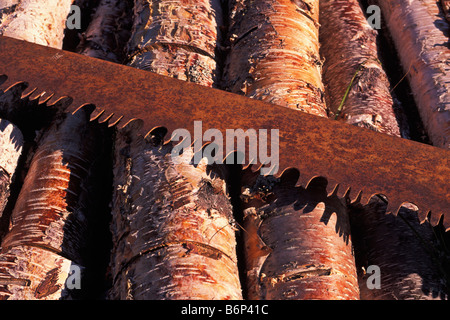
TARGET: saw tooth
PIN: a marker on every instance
(337, 189)
(36, 95)
(157, 135)
(157, 131)
(116, 122)
(104, 118)
(56, 99)
(434, 218)
(28, 92)
(96, 114)
(393, 207)
(342, 190)
(434, 215)
(290, 176)
(16, 88)
(304, 180)
(87, 108)
(365, 197)
(45, 97)
(358, 198)
(61, 103)
(425, 214)
(133, 125)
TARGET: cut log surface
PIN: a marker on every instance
(274, 53)
(39, 21)
(11, 145)
(171, 227)
(420, 34)
(50, 209)
(177, 39)
(108, 33)
(353, 51)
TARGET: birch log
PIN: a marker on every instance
(297, 243)
(405, 251)
(274, 53)
(420, 34)
(349, 47)
(177, 39)
(11, 145)
(408, 271)
(31, 273)
(171, 227)
(38, 21)
(172, 231)
(107, 33)
(53, 212)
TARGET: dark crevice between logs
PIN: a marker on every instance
(99, 240)
(72, 36)
(234, 182)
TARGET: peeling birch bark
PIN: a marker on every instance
(177, 39)
(30, 273)
(11, 145)
(349, 47)
(402, 248)
(420, 34)
(171, 227)
(39, 21)
(50, 211)
(274, 53)
(108, 33)
(297, 243)
(172, 235)
(407, 270)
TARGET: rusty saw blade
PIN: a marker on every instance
(356, 162)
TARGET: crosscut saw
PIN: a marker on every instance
(356, 162)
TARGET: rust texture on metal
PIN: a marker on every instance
(357, 160)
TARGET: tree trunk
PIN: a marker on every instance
(349, 52)
(56, 205)
(297, 241)
(38, 21)
(420, 34)
(108, 31)
(172, 231)
(11, 145)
